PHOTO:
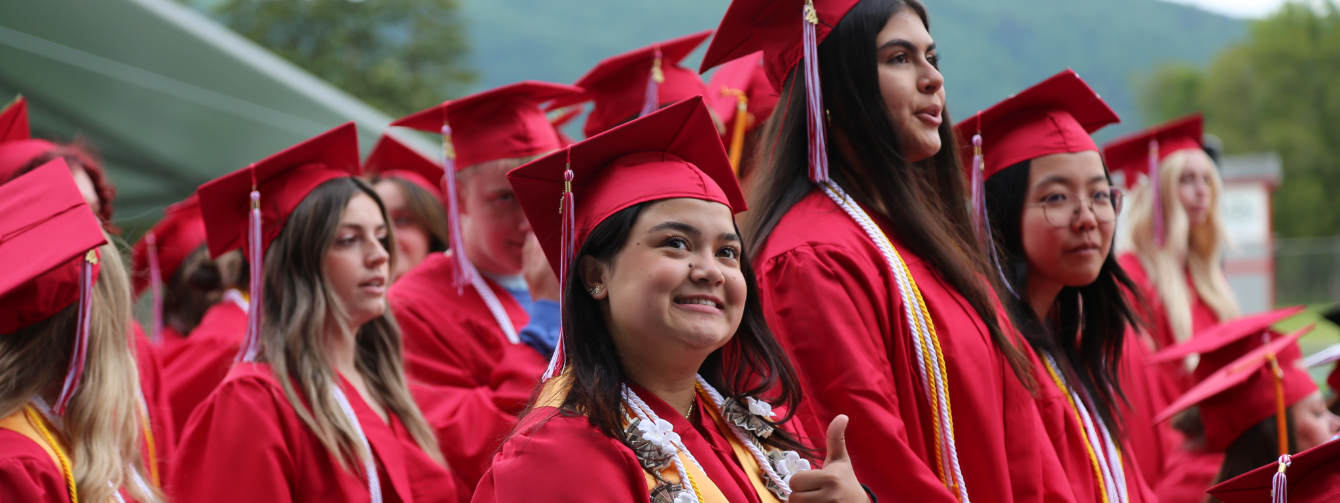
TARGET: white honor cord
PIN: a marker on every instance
(720, 403)
(1108, 463)
(235, 296)
(649, 417)
(495, 307)
(931, 378)
(369, 465)
(1113, 456)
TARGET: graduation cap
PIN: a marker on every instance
(250, 206)
(742, 98)
(43, 210)
(671, 153)
(17, 147)
(1141, 152)
(1309, 476)
(789, 33)
(1259, 383)
(638, 82)
(1223, 342)
(162, 250)
(502, 123)
(393, 159)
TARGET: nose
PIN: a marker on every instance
(706, 271)
(525, 225)
(377, 255)
(1084, 217)
(931, 80)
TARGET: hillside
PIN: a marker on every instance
(989, 48)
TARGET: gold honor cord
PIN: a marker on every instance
(1088, 447)
(66, 469)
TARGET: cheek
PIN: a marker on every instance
(413, 241)
(1041, 241)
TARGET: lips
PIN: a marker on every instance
(1084, 248)
(375, 283)
(930, 115)
(701, 301)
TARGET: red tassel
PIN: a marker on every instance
(75, 373)
(156, 283)
(566, 251)
(814, 96)
(464, 270)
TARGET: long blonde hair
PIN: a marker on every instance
(102, 421)
(1201, 246)
(299, 301)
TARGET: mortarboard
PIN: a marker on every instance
(17, 147)
(742, 98)
(1141, 152)
(1312, 476)
(162, 250)
(393, 159)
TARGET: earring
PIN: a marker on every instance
(596, 291)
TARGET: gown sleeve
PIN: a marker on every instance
(821, 304)
(235, 448)
(31, 479)
(559, 459)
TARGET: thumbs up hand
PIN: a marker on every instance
(836, 481)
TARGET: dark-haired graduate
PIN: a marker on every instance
(868, 263)
(411, 187)
(317, 408)
(1045, 199)
(664, 384)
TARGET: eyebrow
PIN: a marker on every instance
(360, 227)
(692, 231)
(1065, 181)
(898, 42)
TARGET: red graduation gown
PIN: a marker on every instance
(197, 364)
(1148, 392)
(468, 379)
(246, 443)
(1202, 316)
(161, 433)
(557, 459)
(1068, 438)
(27, 472)
(831, 300)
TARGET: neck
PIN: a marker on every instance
(670, 379)
(341, 350)
(1041, 295)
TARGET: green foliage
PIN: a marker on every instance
(1278, 90)
(397, 55)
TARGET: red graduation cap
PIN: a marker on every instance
(249, 206)
(1142, 152)
(502, 123)
(742, 98)
(162, 250)
(393, 159)
(671, 153)
(43, 210)
(636, 83)
(1224, 342)
(565, 115)
(17, 147)
(1258, 384)
(1312, 476)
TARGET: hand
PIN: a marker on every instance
(835, 482)
(535, 268)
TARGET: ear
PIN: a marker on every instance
(593, 274)
(462, 183)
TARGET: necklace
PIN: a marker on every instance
(690, 412)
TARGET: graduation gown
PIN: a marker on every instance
(469, 380)
(1068, 437)
(558, 458)
(160, 439)
(831, 300)
(199, 363)
(1202, 317)
(246, 443)
(28, 471)
(1147, 392)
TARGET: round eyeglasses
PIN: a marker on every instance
(1062, 208)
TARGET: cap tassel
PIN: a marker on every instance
(464, 271)
(814, 97)
(1279, 485)
(741, 123)
(156, 283)
(1281, 420)
(566, 250)
(652, 101)
(1155, 193)
(76, 371)
(980, 220)
(251, 346)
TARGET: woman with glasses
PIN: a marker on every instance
(1048, 212)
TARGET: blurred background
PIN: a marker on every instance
(173, 93)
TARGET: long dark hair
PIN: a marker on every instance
(1256, 447)
(751, 364)
(1087, 328)
(924, 201)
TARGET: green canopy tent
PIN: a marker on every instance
(169, 98)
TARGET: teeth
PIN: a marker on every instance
(704, 302)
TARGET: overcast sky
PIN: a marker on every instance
(1236, 8)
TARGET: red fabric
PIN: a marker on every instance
(1202, 317)
(179, 234)
(1130, 153)
(1187, 475)
(246, 443)
(393, 159)
(14, 121)
(468, 379)
(1068, 437)
(42, 210)
(1054, 116)
(1147, 393)
(502, 123)
(27, 472)
(199, 363)
(773, 27)
(283, 180)
(617, 85)
(830, 300)
(744, 75)
(1314, 475)
(156, 400)
(530, 466)
(673, 152)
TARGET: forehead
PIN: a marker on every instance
(1076, 167)
(710, 217)
(904, 24)
(362, 210)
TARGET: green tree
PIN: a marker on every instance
(1278, 90)
(397, 55)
